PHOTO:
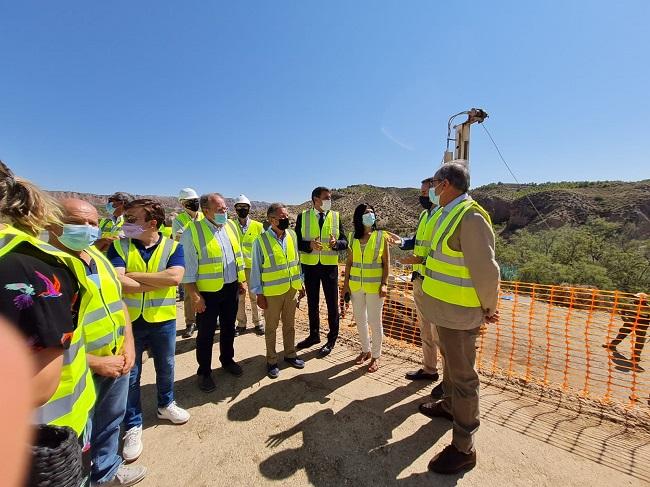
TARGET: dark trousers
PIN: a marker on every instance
(328, 275)
(222, 305)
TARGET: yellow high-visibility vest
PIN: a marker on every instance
(280, 271)
(423, 238)
(367, 267)
(210, 272)
(184, 218)
(102, 310)
(246, 240)
(74, 398)
(110, 228)
(310, 231)
(446, 277)
(154, 306)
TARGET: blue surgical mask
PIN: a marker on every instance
(435, 198)
(110, 209)
(368, 219)
(79, 237)
(221, 218)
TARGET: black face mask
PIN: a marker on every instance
(425, 202)
(242, 212)
(283, 223)
(192, 205)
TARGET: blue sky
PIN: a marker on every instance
(274, 98)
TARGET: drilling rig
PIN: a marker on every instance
(461, 139)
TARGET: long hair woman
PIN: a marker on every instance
(366, 277)
(38, 296)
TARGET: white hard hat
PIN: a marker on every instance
(187, 194)
(242, 200)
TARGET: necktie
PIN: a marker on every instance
(321, 219)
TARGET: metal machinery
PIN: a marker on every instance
(461, 140)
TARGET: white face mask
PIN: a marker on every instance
(327, 205)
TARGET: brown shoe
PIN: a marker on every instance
(451, 461)
(434, 410)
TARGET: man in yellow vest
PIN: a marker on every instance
(247, 230)
(189, 200)
(215, 279)
(109, 341)
(461, 285)
(276, 278)
(419, 244)
(320, 238)
(150, 267)
(111, 227)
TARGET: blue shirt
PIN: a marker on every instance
(192, 257)
(255, 281)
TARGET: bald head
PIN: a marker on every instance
(79, 212)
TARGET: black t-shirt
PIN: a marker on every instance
(39, 295)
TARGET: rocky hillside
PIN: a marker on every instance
(511, 205)
(517, 206)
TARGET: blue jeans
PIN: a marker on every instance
(106, 420)
(161, 340)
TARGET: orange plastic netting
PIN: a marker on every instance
(558, 337)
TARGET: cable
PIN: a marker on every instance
(514, 177)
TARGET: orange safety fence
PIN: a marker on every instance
(557, 337)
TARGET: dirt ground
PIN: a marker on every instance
(333, 424)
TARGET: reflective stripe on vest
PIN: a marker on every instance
(74, 397)
(311, 231)
(154, 306)
(102, 310)
(184, 218)
(446, 277)
(110, 228)
(210, 256)
(254, 230)
(423, 237)
(367, 267)
(280, 271)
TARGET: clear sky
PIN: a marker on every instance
(274, 98)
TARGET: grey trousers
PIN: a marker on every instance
(460, 384)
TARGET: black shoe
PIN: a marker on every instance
(189, 331)
(437, 392)
(451, 461)
(259, 329)
(295, 362)
(308, 342)
(273, 371)
(240, 330)
(325, 350)
(234, 368)
(434, 410)
(206, 384)
(420, 374)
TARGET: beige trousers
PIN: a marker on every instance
(241, 310)
(188, 308)
(283, 308)
(460, 384)
(428, 332)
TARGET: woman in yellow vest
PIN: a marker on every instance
(39, 288)
(366, 278)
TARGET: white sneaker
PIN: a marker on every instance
(132, 444)
(174, 414)
(127, 475)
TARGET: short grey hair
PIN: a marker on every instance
(204, 200)
(457, 175)
(273, 208)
